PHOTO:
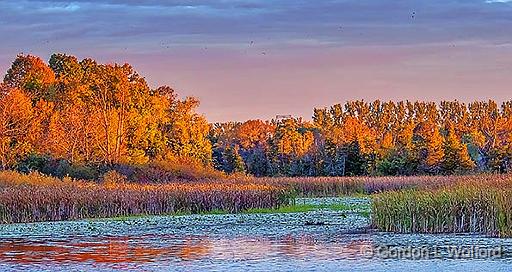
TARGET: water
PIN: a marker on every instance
(323, 240)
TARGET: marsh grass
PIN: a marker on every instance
(470, 206)
(283, 209)
(475, 204)
(300, 208)
(34, 198)
(356, 186)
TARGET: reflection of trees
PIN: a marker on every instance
(288, 246)
(115, 250)
(193, 249)
(119, 251)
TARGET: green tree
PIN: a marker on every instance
(234, 162)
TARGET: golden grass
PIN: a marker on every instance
(340, 186)
(422, 204)
(34, 197)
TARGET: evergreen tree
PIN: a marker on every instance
(256, 161)
(234, 162)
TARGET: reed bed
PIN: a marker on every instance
(34, 198)
(341, 186)
(473, 205)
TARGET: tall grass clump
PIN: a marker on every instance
(471, 206)
(34, 198)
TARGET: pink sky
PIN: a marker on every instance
(256, 58)
(240, 86)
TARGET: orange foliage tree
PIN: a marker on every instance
(90, 113)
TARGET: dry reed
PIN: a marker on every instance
(34, 197)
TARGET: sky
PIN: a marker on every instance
(259, 58)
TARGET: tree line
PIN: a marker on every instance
(84, 113)
(372, 138)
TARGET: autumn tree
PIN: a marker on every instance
(90, 113)
(66, 116)
(16, 127)
(456, 157)
(429, 147)
(31, 74)
(292, 140)
(80, 112)
(187, 132)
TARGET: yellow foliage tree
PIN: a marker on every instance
(16, 126)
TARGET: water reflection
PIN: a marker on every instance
(267, 242)
(182, 249)
(118, 250)
(112, 250)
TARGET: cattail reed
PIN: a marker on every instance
(340, 186)
(473, 205)
(34, 197)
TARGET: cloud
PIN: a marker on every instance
(234, 23)
(71, 7)
(233, 52)
(253, 26)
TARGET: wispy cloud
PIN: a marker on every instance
(498, 1)
(218, 49)
(345, 22)
(71, 7)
